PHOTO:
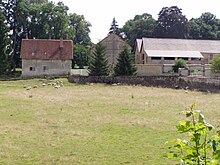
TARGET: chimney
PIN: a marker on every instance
(61, 43)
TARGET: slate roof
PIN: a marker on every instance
(203, 46)
(47, 49)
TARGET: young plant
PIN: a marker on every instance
(202, 145)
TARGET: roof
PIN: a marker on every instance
(112, 37)
(165, 53)
(47, 49)
(203, 46)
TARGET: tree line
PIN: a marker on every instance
(43, 19)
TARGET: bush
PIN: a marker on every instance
(179, 63)
(215, 64)
(202, 144)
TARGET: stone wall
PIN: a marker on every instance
(191, 83)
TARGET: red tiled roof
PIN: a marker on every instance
(47, 49)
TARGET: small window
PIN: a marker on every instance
(32, 68)
(45, 68)
(169, 58)
(155, 58)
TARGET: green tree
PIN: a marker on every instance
(125, 65)
(114, 27)
(141, 26)
(4, 46)
(171, 23)
(215, 64)
(179, 63)
(207, 26)
(99, 63)
(81, 55)
(81, 28)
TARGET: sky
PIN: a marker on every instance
(100, 13)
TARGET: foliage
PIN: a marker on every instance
(141, 26)
(171, 23)
(81, 28)
(215, 64)
(179, 63)
(4, 46)
(114, 27)
(81, 55)
(201, 147)
(99, 63)
(207, 26)
(125, 65)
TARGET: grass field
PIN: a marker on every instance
(92, 124)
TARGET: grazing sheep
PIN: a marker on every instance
(28, 88)
(43, 84)
(57, 86)
(35, 86)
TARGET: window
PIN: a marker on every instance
(169, 58)
(155, 58)
(45, 68)
(32, 68)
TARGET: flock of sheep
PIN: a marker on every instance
(57, 84)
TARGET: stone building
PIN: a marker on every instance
(114, 46)
(156, 56)
(166, 51)
(46, 57)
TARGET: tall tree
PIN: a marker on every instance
(81, 28)
(99, 63)
(114, 27)
(125, 65)
(171, 23)
(141, 26)
(81, 55)
(207, 26)
(4, 46)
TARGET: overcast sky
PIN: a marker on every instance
(100, 13)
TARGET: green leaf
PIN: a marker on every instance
(201, 118)
(209, 126)
(172, 155)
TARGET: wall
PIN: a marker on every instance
(53, 68)
(201, 84)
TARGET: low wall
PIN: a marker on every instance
(191, 83)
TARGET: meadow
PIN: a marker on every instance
(94, 123)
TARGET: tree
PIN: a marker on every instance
(4, 46)
(99, 63)
(114, 27)
(125, 65)
(81, 55)
(204, 27)
(179, 63)
(141, 26)
(215, 64)
(171, 23)
(81, 28)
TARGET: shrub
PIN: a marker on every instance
(179, 63)
(215, 64)
(199, 148)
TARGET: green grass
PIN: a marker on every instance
(92, 124)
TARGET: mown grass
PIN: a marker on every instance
(92, 124)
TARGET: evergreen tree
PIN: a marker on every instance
(114, 27)
(125, 65)
(4, 46)
(99, 62)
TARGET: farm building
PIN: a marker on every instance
(156, 56)
(114, 46)
(46, 57)
(165, 51)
